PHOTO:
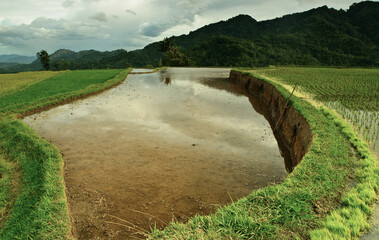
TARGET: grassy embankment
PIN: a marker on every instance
(353, 93)
(32, 198)
(329, 195)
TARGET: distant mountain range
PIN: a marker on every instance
(321, 36)
(15, 58)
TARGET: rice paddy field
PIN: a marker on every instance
(34, 92)
(329, 195)
(353, 93)
(15, 82)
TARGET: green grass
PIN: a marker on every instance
(8, 187)
(308, 199)
(55, 89)
(351, 217)
(40, 210)
(15, 82)
(32, 199)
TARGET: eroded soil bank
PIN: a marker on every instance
(291, 130)
(159, 147)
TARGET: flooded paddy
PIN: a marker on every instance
(159, 147)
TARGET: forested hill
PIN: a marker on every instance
(320, 36)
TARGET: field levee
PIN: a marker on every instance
(328, 195)
(291, 130)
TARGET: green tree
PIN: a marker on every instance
(173, 57)
(44, 57)
(57, 65)
(166, 45)
(66, 65)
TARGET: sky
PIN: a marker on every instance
(28, 26)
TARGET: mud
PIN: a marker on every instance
(159, 147)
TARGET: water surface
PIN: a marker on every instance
(161, 146)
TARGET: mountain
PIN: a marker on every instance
(322, 36)
(15, 58)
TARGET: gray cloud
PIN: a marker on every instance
(68, 3)
(152, 29)
(301, 2)
(43, 22)
(91, 1)
(44, 32)
(131, 12)
(100, 16)
(176, 14)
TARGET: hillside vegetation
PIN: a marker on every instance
(321, 36)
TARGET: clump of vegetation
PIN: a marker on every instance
(44, 58)
(173, 57)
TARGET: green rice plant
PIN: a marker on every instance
(15, 82)
(366, 123)
(353, 92)
(56, 89)
(351, 218)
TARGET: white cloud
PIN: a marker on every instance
(27, 26)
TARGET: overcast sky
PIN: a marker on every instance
(27, 26)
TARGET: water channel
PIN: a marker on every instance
(159, 147)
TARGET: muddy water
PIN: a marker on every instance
(142, 70)
(159, 147)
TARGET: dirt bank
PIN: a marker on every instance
(292, 131)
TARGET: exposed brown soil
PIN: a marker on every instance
(292, 132)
